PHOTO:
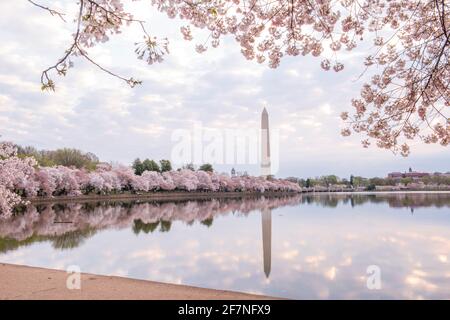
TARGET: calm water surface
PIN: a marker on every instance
(305, 246)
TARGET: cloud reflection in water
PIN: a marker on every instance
(309, 246)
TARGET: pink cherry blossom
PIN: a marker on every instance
(15, 177)
(408, 65)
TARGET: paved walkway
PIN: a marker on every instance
(22, 282)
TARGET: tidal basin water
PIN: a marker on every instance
(303, 247)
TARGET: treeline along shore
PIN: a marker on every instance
(70, 175)
(159, 196)
(163, 196)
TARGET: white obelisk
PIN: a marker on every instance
(265, 144)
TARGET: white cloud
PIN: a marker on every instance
(220, 88)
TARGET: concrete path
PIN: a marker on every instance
(22, 282)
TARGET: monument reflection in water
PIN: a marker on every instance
(65, 224)
(321, 244)
(266, 221)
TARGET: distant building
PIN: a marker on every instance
(410, 174)
(395, 175)
(416, 175)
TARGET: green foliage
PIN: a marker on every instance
(406, 181)
(369, 184)
(73, 157)
(64, 157)
(150, 165)
(329, 180)
(146, 165)
(308, 183)
(138, 167)
(139, 226)
(377, 181)
(444, 180)
(165, 226)
(207, 222)
(165, 165)
(301, 182)
(360, 181)
(206, 167)
(72, 239)
(189, 166)
(68, 240)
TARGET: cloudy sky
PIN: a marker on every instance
(218, 89)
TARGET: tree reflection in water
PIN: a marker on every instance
(302, 246)
(43, 222)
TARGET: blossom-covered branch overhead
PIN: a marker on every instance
(407, 95)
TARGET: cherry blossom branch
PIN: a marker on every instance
(131, 82)
(61, 66)
(51, 11)
(411, 65)
(83, 33)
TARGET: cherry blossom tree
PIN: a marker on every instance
(167, 184)
(406, 97)
(204, 181)
(21, 178)
(14, 174)
(47, 185)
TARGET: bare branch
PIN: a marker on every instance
(51, 11)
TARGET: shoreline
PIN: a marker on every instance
(186, 196)
(18, 282)
(156, 196)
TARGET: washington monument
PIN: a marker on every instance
(266, 214)
(265, 144)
